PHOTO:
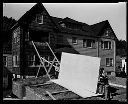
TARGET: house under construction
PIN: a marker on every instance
(37, 34)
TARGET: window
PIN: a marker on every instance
(39, 19)
(106, 45)
(88, 43)
(15, 60)
(74, 40)
(108, 31)
(16, 35)
(31, 60)
(63, 25)
(109, 61)
(5, 60)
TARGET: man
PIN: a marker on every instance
(103, 85)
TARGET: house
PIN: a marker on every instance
(7, 65)
(7, 55)
(62, 34)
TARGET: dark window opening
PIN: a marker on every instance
(39, 36)
(74, 40)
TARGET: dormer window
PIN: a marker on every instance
(63, 25)
(39, 19)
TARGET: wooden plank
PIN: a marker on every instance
(47, 83)
(57, 92)
(53, 98)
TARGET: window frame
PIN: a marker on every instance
(85, 41)
(109, 45)
(5, 61)
(109, 64)
(15, 60)
(29, 60)
(76, 40)
(39, 21)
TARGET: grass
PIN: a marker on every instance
(117, 80)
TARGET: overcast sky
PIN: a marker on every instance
(89, 13)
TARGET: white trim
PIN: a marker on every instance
(112, 84)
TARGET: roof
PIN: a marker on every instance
(90, 30)
(98, 27)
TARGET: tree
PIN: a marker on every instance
(7, 24)
(121, 47)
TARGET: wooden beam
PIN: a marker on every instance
(51, 65)
(53, 98)
(41, 60)
(57, 92)
(52, 52)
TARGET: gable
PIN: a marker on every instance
(30, 17)
(107, 32)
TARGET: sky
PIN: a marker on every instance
(89, 13)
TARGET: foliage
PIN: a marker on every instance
(7, 24)
(121, 47)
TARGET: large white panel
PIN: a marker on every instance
(79, 73)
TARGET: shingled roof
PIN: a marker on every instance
(90, 30)
(98, 27)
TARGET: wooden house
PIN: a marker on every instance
(62, 34)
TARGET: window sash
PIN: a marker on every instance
(31, 60)
(88, 43)
(109, 61)
(106, 45)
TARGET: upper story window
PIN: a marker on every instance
(5, 60)
(39, 19)
(88, 43)
(106, 45)
(109, 61)
(74, 40)
(107, 32)
(16, 35)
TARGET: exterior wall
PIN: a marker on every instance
(47, 24)
(96, 51)
(107, 53)
(67, 40)
(16, 49)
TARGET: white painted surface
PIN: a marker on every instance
(112, 84)
(124, 63)
(79, 73)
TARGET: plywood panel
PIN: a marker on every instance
(79, 73)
